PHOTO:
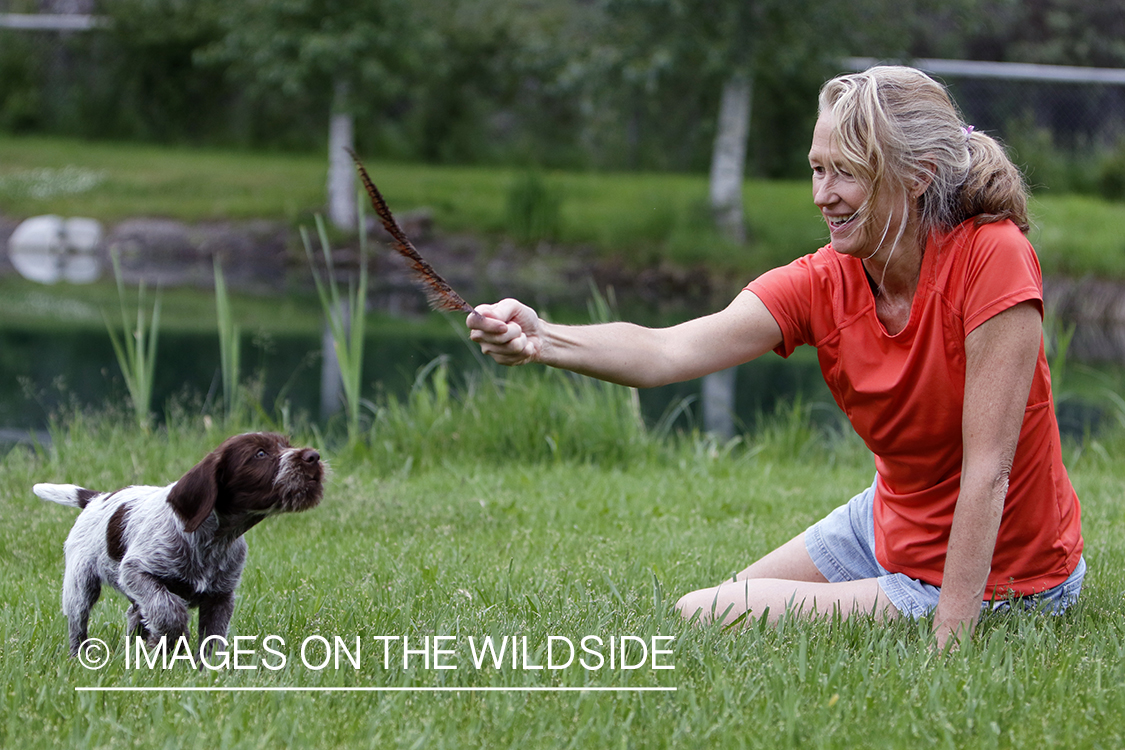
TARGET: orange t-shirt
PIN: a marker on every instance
(904, 395)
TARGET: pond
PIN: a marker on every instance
(43, 371)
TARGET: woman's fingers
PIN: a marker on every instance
(502, 331)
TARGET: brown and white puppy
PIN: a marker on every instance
(171, 548)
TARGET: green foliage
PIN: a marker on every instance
(1048, 166)
(136, 348)
(526, 416)
(533, 208)
(143, 80)
(451, 81)
(346, 55)
(20, 92)
(612, 84)
(1059, 32)
(1111, 173)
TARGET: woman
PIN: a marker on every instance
(926, 312)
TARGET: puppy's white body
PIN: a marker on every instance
(158, 556)
(179, 546)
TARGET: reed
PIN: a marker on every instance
(135, 348)
(346, 315)
(230, 349)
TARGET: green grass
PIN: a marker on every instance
(643, 218)
(1079, 236)
(478, 527)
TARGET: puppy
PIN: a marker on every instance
(170, 548)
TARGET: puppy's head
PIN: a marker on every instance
(249, 476)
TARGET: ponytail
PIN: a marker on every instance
(994, 189)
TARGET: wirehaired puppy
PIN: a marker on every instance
(168, 549)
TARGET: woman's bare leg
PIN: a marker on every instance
(784, 580)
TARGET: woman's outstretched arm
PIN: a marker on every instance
(512, 334)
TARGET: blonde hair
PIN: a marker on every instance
(895, 126)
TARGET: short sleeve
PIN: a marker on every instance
(1001, 270)
(787, 293)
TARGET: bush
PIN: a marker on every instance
(533, 208)
(1111, 176)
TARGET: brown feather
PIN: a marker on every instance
(439, 293)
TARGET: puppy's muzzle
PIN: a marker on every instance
(301, 479)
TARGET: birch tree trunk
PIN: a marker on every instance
(728, 166)
(341, 171)
(728, 159)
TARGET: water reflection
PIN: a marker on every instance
(44, 372)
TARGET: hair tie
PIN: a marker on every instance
(968, 131)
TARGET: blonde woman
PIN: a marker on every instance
(926, 312)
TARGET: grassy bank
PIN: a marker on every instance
(641, 218)
(540, 508)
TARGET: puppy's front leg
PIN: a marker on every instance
(162, 612)
(133, 624)
(215, 611)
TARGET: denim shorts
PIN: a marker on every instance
(842, 547)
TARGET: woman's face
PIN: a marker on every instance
(838, 193)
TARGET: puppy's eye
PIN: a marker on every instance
(261, 454)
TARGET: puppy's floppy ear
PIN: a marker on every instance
(193, 497)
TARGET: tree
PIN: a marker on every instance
(724, 45)
(347, 57)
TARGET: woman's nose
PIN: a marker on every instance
(824, 193)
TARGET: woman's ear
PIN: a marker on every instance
(922, 179)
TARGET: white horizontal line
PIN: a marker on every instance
(52, 21)
(564, 689)
(1003, 70)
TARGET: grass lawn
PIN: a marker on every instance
(501, 512)
(643, 218)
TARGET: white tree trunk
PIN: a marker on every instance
(728, 159)
(341, 170)
(718, 403)
(728, 168)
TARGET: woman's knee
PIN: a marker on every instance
(695, 602)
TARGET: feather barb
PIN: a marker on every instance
(439, 293)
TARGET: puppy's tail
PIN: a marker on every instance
(65, 494)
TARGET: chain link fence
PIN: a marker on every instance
(1081, 108)
(1064, 125)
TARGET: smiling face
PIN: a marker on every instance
(859, 225)
(838, 193)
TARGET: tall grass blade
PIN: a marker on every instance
(229, 348)
(136, 350)
(346, 321)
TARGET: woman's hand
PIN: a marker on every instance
(508, 331)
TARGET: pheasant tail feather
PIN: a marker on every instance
(439, 293)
